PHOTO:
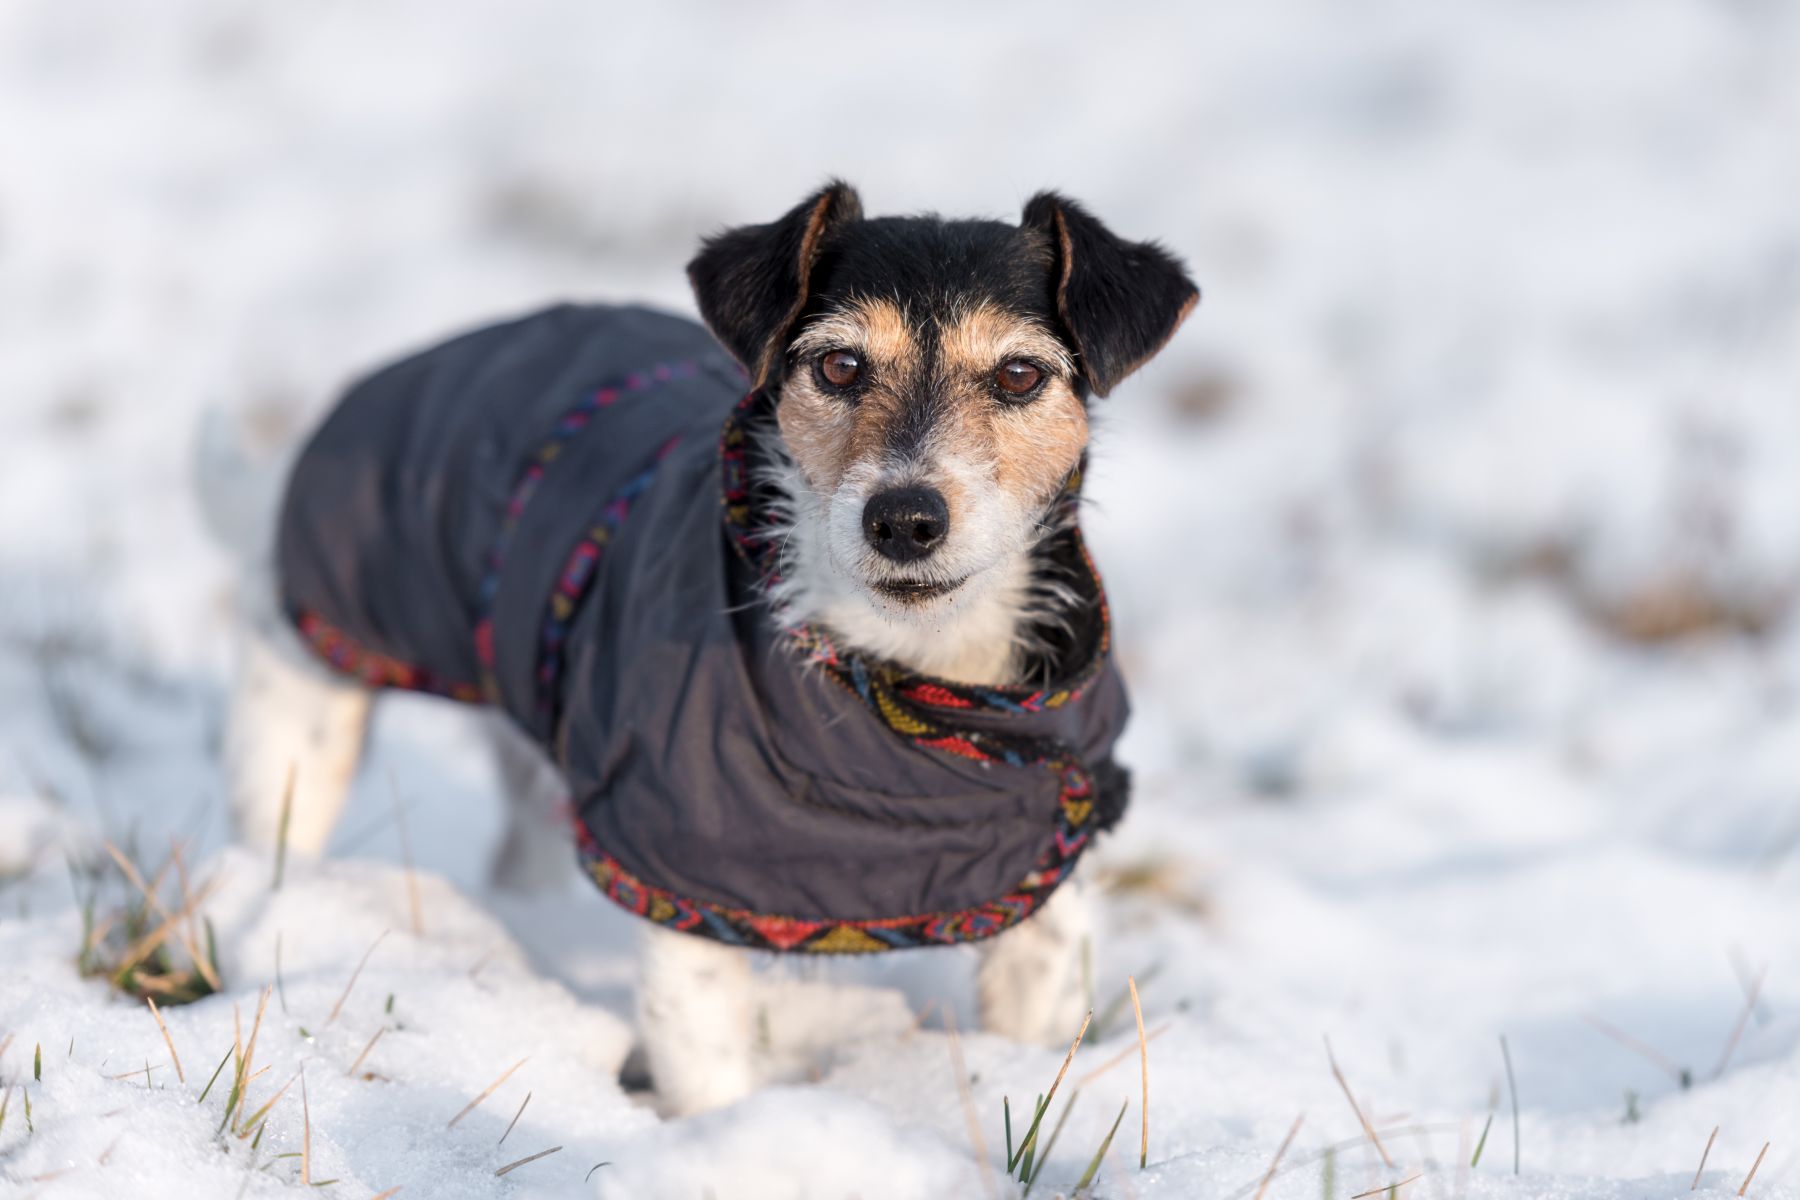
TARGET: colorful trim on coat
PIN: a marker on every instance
(919, 709)
(577, 575)
(567, 426)
(371, 667)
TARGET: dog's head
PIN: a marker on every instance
(932, 377)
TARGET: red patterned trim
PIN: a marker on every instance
(372, 667)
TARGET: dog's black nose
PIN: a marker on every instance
(905, 524)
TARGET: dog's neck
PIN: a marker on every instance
(989, 639)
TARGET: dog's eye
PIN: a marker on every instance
(840, 368)
(1017, 378)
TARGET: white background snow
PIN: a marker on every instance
(1495, 376)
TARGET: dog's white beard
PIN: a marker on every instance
(981, 633)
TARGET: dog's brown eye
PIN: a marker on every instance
(840, 368)
(1017, 377)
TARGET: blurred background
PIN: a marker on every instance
(1454, 543)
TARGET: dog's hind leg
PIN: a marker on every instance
(289, 714)
(695, 1002)
(1034, 981)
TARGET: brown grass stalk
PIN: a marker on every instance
(1389, 1187)
(1280, 1152)
(471, 1105)
(306, 1132)
(1737, 1030)
(515, 1120)
(1752, 1175)
(1368, 1129)
(351, 1069)
(529, 1158)
(167, 1040)
(1704, 1155)
(1143, 1073)
(1649, 1053)
(339, 1006)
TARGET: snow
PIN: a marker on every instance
(1497, 359)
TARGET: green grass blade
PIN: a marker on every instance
(214, 1079)
(1481, 1144)
(1093, 1167)
(1025, 1146)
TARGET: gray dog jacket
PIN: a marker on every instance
(557, 516)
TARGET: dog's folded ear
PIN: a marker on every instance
(751, 281)
(1120, 301)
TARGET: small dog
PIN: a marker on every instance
(805, 627)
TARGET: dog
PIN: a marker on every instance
(795, 612)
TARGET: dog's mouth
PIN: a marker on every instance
(915, 591)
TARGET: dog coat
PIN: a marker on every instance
(556, 516)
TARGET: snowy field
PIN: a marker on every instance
(1454, 547)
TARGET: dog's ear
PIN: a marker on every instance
(751, 281)
(1119, 300)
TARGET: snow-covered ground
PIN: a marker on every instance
(1454, 547)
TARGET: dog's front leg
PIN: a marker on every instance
(1034, 981)
(695, 1010)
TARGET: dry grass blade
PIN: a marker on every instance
(1389, 1187)
(393, 1191)
(1737, 1030)
(471, 1105)
(1752, 1175)
(351, 1069)
(406, 857)
(976, 1142)
(306, 1132)
(1704, 1154)
(515, 1120)
(529, 1158)
(1280, 1153)
(1649, 1054)
(167, 1040)
(1143, 1073)
(1368, 1129)
(1031, 1133)
(339, 1006)
(244, 1064)
(1512, 1090)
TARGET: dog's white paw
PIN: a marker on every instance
(696, 1013)
(1033, 982)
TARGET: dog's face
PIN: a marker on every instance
(932, 377)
